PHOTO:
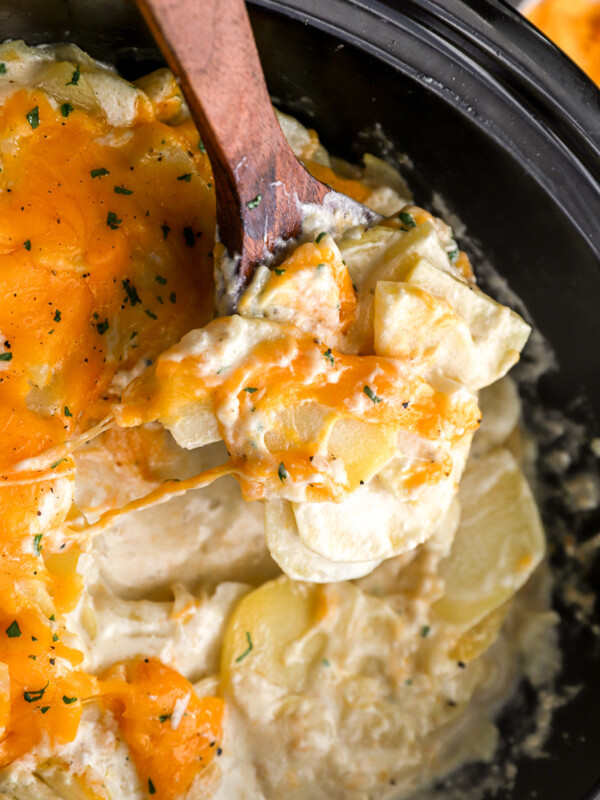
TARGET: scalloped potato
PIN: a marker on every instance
(241, 559)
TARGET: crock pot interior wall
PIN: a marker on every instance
(324, 79)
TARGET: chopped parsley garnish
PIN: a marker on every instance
(99, 173)
(67, 412)
(425, 631)
(173, 297)
(57, 316)
(68, 700)
(164, 717)
(37, 543)
(33, 697)
(2, 68)
(33, 117)
(165, 231)
(321, 236)
(55, 637)
(219, 371)
(151, 314)
(248, 650)
(187, 177)
(188, 235)
(201, 146)
(253, 203)
(102, 327)
(250, 389)
(151, 788)
(453, 254)
(27, 244)
(52, 618)
(56, 463)
(74, 77)
(282, 472)
(329, 356)
(279, 272)
(13, 631)
(112, 220)
(43, 709)
(131, 291)
(326, 662)
(160, 279)
(408, 682)
(371, 394)
(6, 356)
(66, 109)
(407, 219)
(122, 190)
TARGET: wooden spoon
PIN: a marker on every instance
(261, 187)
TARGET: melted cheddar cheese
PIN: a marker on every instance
(105, 240)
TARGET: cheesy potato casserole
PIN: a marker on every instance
(253, 555)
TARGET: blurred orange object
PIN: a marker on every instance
(573, 25)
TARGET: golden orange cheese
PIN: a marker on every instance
(105, 257)
(171, 732)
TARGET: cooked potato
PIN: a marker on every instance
(478, 639)
(267, 635)
(500, 541)
(498, 333)
(295, 558)
(371, 524)
(411, 323)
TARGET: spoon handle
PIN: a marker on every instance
(210, 47)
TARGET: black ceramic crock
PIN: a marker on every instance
(507, 130)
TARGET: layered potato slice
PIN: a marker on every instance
(369, 450)
(311, 290)
(300, 420)
(453, 328)
(499, 543)
(265, 635)
(297, 560)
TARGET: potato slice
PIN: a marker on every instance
(34, 789)
(478, 639)
(411, 323)
(67, 785)
(56, 79)
(385, 254)
(498, 545)
(263, 635)
(177, 391)
(295, 558)
(311, 289)
(193, 425)
(363, 448)
(371, 524)
(500, 406)
(498, 333)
